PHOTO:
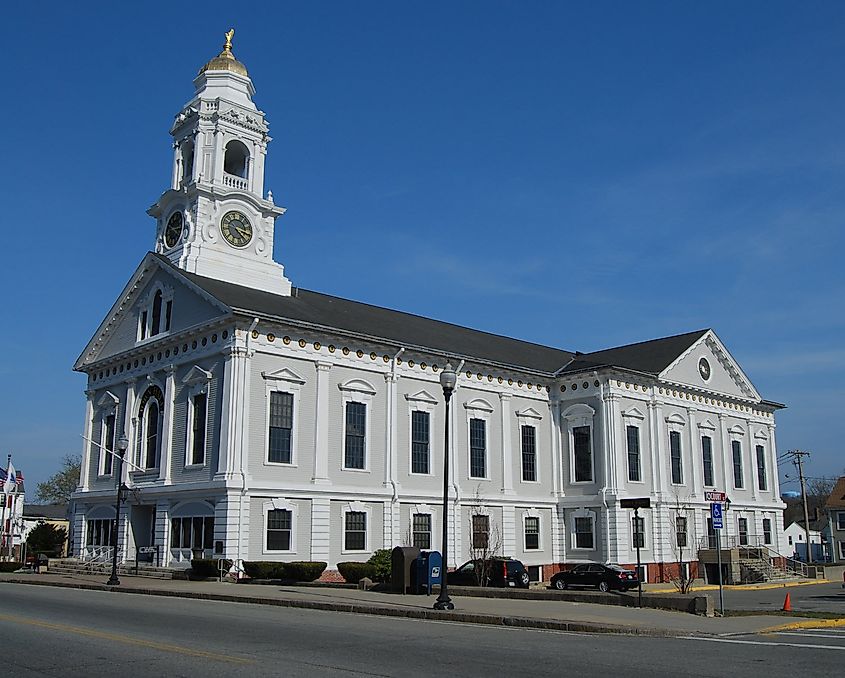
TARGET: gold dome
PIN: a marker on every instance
(226, 61)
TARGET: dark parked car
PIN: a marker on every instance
(603, 577)
(496, 572)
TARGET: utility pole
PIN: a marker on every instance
(797, 456)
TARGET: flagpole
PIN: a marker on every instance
(5, 500)
(11, 536)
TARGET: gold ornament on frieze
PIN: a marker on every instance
(271, 337)
(285, 340)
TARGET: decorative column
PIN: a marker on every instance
(321, 425)
(507, 454)
(656, 438)
(610, 417)
(727, 462)
(177, 167)
(554, 437)
(752, 453)
(229, 420)
(165, 472)
(773, 461)
(130, 421)
(217, 158)
(696, 480)
(390, 430)
(86, 441)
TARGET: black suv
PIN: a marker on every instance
(501, 572)
(603, 577)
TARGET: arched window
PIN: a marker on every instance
(149, 428)
(235, 160)
(156, 323)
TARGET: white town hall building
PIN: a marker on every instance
(268, 422)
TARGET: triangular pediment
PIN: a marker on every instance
(421, 397)
(118, 332)
(284, 374)
(529, 413)
(706, 365)
(197, 375)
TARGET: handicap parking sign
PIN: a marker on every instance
(716, 515)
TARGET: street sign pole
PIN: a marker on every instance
(639, 566)
(716, 517)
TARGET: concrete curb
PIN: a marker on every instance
(745, 587)
(811, 624)
(354, 608)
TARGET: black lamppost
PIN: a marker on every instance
(448, 379)
(122, 445)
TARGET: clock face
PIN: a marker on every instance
(236, 229)
(704, 369)
(173, 230)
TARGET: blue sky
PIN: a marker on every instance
(580, 175)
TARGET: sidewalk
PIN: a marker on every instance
(543, 614)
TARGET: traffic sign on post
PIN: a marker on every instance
(716, 515)
(712, 495)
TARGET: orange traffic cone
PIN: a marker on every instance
(787, 604)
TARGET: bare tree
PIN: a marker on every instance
(485, 538)
(681, 518)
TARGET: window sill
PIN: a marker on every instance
(421, 475)
(356, 553)
(281, 463)
(355, 470)
(530, 482)
(193, 467)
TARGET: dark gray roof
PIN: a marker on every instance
(403, 329)
(47, 511)
(651, 357)
(407, 329)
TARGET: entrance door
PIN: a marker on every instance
(143, 526)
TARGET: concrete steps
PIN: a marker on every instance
(74, 566)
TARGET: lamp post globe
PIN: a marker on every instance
(448, 379)
(122, 445)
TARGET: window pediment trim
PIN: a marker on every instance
(108, 401)
(356, 506)
(529, 413)
(736, 430)
(197, 375)
(279, 504)
(707, 425)
(479, 404)
(761, 435)
(191, 508)
(358, 386)
(421, 397)
(676, 419)
(633, 413)
(283, 374)
(422, 508)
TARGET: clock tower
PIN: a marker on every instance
(214, 220)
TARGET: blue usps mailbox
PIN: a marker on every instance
(716, 515)
(428, 571)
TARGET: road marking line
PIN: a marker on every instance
(763, 642)
(805, 634)
(178, 649)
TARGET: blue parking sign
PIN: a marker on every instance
(716, 515)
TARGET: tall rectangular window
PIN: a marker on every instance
(355, 531)
(356, 427)
(108, 444)
(480, 532)
(761, 468)
(422, 531)
(529, 454)
(743, 531)
(736, 446)
(200, 407)
(532, 533)
(681, 531)
(420, 449)
(675, 454)
(584, 533)
(279, 526)
(638, 525)
(633, 433)
(767, 530)
(583, 453)
(707, 460)
(281, 428)
(477, 448)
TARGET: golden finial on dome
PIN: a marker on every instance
(229, 34)
(226, 61)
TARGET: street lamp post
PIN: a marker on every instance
(448, 379)
(122, 445)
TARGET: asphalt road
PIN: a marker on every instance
(66, 632)
(813, 598)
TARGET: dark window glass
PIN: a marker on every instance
(761, 468)
(186, 533)
(767, 531)
(152, 435)
(198, 440)
(356, 426)
(743, 531)
(681, 531)
(278, 530)
(736, 446)
(707, 459)
(477, 448)
(634, 453)
(532, 533)
(155, 326)
(197, 532)
(480, 532)
(144, 325)
(638, 524)
(98, 532)
(355, 537)
(168, 312)
(208, 536)
(175, 533)
(583, 453)
(420, 428)
(108, 443)
(281, 427)
(584, 533)
(529, 453)
(422, 531)
(675, 453)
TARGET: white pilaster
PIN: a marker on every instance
(696, 481)
(86, 442)
(554, 437)
(130, 423)
(321, 424)
(321, 530)
(507, 454)
(752, 454)
(165, 469)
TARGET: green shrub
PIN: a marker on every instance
(381, 561)
(303, 570)
(352, 572)
(264, 569)
(46, 538)
(203, 568)
(10, 567)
